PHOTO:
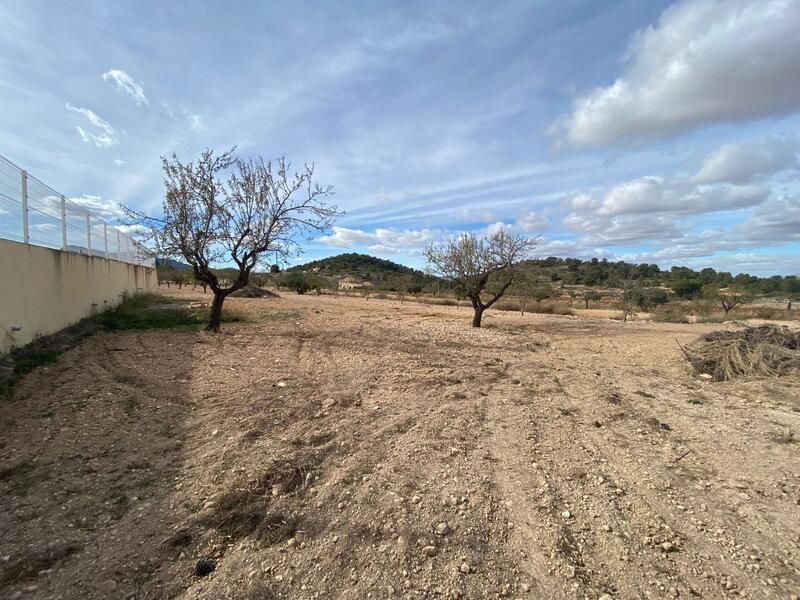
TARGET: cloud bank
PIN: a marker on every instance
(703, 62)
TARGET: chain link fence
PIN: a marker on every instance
(34, 213)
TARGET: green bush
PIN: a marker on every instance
(687, 288)
(298, 282)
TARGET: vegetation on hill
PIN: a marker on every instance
(359, 265)
(682, 282)
(685, 282)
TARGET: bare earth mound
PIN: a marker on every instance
(372, 449)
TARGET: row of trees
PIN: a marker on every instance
(685, 282)
(222, 209)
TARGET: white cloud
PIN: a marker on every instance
(656, 208)
(467, 215)
(104, 138)
(741, 163)
(703, 62)
(193, 119)
(653, 195)
(119, 162)
(531, 222)
(100, 140)
(92, 117)
(392, 241)
(107, 210)
(125, 83)
(386, 238)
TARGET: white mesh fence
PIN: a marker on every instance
(34, 213)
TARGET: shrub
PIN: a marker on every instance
(550, 309)
(298, 282)
(687, 288)
(672, 313)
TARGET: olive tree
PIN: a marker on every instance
(482, 269)
(528, 286)
(224, 210)
(590, 296)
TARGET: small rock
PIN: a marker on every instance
(329, 402)
(525, 588)
(429, 551)
(705, 376)
(281, 384)
(464, 568)
(442, 529)
(668, 547)
(566, 514)
(606, 597)
(416, 499)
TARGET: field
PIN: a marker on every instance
(367, 449)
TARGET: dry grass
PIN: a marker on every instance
(765, 351)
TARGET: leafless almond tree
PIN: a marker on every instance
(223, 210)
(482, 269)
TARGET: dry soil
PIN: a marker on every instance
(368, 449)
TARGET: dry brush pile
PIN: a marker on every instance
(764, 351)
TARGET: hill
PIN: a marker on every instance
(361, 265)
(171, 262)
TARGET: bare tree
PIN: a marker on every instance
(230, 211)
(480, 267)
(728, 298)
(631, 297)
(731, 300)
(403, 284)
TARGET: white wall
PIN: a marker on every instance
(45, 290)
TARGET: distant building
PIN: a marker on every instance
(353, 283)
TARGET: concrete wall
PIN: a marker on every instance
(44, 290)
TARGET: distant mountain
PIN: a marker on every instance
(171, 262)
(359, 265)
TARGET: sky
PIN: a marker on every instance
(658, 132)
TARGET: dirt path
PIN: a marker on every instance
(372, 449)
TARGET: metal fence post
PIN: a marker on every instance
(24, 183)
(105, 238)
(88, 233)
(119, 246)
(127, 250)
(63, 222)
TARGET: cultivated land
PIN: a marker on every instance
(367, 449)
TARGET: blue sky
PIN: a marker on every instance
(647, 131)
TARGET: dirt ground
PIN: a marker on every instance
(368, 449)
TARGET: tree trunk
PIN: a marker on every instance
(587, 305)
(478, 315)
(216, 311)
